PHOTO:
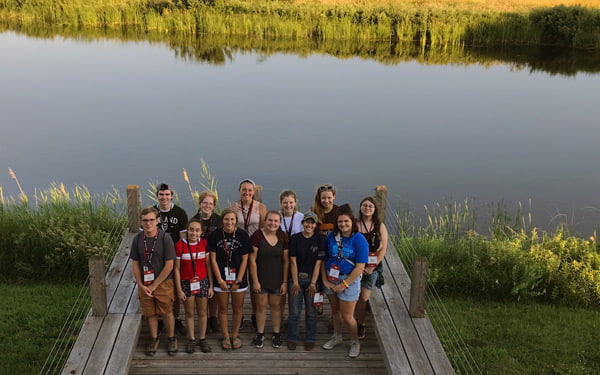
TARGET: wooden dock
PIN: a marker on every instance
(395, 343)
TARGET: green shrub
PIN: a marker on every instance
(572, 26)
(554, 268)
(52, 237)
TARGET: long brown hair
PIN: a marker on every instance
(375, 218)
(317, 207)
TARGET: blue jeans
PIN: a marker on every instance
(296, 309)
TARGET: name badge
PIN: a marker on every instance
(372, 260)
(148, 277)
(195, 285)
(230, 275)
(334, 273)
(318, 299)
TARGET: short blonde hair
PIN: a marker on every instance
(207, 193)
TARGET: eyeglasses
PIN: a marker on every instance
(325, 187)
(148, 220)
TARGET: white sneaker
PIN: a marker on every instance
(354, 349)
(333, 341)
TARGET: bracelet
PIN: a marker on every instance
(345, 283)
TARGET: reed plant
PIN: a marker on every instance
(515, 261)
(436, 24)
(51, 236)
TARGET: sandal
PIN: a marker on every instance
(236, 342)
(226, 343)
(151, 347)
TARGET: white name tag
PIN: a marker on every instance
(230, 275)
(148, 277)
(334, 273)
(318, 299)
(195, 285)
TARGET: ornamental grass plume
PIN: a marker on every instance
(22, 195)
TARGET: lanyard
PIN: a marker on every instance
(228, 248)
(289, 230)
(149, 254)
(369, 234)
(192, 255)
(246, 217)
(340, 243)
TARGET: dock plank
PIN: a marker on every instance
(83, 346)
(103, 345)
(122, 353)
(395, 356)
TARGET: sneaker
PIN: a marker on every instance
(204, 346)
(291, 345)
(172, 348)
(179, 328)
(362, 331)
(259, 340)
(152, 346)
(276, 340)
(333, 341)
(213, 323)
(309, 345)
(190, 347)
(354, 349)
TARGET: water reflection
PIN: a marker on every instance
(482, 126)
(219, 50)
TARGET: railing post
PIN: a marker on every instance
(381, 199)
(258, 193)
(133, 208)
(98, 285)
(418, 288)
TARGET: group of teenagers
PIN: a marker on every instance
(211, 260)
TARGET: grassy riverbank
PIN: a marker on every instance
(443, 23)
(505, 338)
(32, 317)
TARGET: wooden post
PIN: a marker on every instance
(381, 199)
(418, 288)
(98, 285)
(133, 208)
(258, 193)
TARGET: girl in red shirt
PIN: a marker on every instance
(193, 280)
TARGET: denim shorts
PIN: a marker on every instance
(368, 281)
(275, 292)
(349, 294)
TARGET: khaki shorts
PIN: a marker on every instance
(161, 303)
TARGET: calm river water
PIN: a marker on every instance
(107, 113)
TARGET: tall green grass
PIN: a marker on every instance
(509, 260)
(50, 235)
(572, 26)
